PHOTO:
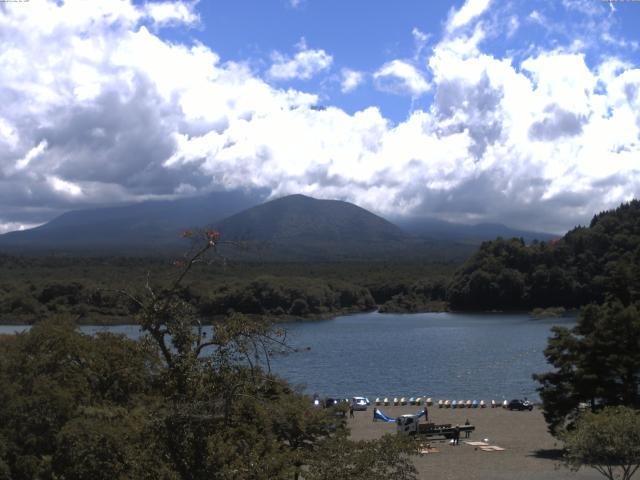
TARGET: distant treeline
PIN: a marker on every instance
(588, 265)
(90, 289)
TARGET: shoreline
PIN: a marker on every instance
(110, 321)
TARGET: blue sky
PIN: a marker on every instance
(520, 112)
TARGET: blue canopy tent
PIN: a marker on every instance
(379, 415)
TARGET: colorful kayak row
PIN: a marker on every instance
(441, 403)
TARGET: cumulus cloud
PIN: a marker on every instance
(170, 13)
(468, 12)
(351, 79)
(303, 65)
(123, 115)
(401, 78)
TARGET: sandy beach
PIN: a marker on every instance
(530, 451)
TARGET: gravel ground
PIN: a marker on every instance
(530, 451)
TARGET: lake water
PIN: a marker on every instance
(441, 355)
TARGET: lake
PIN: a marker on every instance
(441, 355)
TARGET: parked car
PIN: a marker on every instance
(517, 404)
(359, 403)
(331, 402)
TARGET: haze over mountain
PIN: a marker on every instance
(443, 230)
(147, 226)
(293, 227)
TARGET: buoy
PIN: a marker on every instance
(447, 403)
(378, 401)
(403, 401)
(454, 404)
(386, 401)
(482, 404)
(440, 403)
(493, 404)
(469, 403)
(429, 401)
(396, 401)
(474, 404)
(412, 401)
(419, 401)
(461, 404)
(504, 404)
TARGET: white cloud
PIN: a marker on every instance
(468, 12)
(168, 13)
(31, 154)
(420, 39)
(64, 187)
(351, 79)
(304, 64)
(512, 26)
(16, 226)
(122, 114)
(401, 78)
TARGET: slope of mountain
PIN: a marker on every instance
(146, 226)
(300, 226)
(295, 227)
(443, 230)
(298, 218)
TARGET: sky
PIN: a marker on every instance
(525, 113)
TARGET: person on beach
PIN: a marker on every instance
(374, 413)
(466, 432)
(456, 435)
(351, 411)
(426, 413)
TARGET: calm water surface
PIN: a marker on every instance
(442, 355)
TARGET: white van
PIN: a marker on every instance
(360, 403)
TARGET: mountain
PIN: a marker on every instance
(476, 234)
(149, 226)
(297, 225)
(297, 218)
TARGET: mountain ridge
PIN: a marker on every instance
(299, 226)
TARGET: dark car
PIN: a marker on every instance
(517, 404)
(331, 402)
(340, 406)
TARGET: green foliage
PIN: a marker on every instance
(87, 288)
(608, 441)
(106, 443)
(423, 295)
(586, 265)
(52, 374)
(297, 296)
(343, 459)
(597, 362)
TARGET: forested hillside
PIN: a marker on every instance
(33, 287)
(587, 265)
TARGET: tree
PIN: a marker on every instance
(596, 362)
(344, 459)
(50, 379)
(608, 441)
(184, 402)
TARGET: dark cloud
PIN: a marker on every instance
(478, 103)
(557, 124)
(117, 138)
